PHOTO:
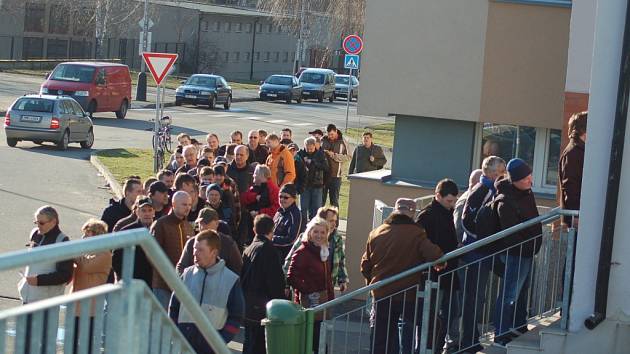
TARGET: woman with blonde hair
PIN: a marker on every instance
(310, 273)
(90, 270)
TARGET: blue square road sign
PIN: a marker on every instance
(351, 61)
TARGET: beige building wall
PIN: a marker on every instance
(423, 58)
(525, 65)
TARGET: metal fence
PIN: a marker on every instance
(115, 318)
(457, 309)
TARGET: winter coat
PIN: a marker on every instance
(308, 274)
(171, 233)
(258, 155)
(243, 176)
(316, 166)
(282, 166)
(361, 159)
(91, 270)
(288, 223)
(268, 203)
(142, 268)
(383, 256)
(300, 173)
(114, 212)
(340, 155)
(262, 277)
(229, 253)
(518, 206)
(570, 169)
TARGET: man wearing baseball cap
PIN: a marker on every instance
(399, 235)
(515, 204)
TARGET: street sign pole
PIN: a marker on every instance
(141, 88)
(348, 100)
(156, 129)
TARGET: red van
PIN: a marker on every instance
(98, 87)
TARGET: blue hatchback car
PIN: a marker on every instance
(281, 87)
(204, 89)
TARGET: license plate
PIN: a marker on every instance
(190, 96)
(33, 119)
(306, 93)
(272, 95)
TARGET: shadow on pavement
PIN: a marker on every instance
(74, 150)
(135, 124)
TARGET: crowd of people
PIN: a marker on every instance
(228, 218)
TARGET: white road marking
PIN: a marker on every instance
(301, 124)
(277, 121)
(249, 118)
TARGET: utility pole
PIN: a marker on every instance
(301, 46)
(141, 88)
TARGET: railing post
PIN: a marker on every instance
(129, 254)
(426, 314)
(568, 275)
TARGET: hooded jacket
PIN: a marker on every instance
(519, 206)
(282, 166)
(114, 212)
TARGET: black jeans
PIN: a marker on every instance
(254, 342)
(77, 334)
(391, 317)
(331, 189)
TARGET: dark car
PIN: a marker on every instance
(318, 84)
(341, 86)
(281, 87)
(39, 118)
(205, 90)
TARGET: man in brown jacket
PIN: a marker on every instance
(171, 232)
(397, 245)
(571, 165)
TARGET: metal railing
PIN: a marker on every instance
(416, 318)
(115, 318)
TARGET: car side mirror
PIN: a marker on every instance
(262, 82)
(219, 85)
(46, 75)
(182, 82)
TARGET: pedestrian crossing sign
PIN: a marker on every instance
(351, 61)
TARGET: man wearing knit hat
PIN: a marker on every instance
(515, 204)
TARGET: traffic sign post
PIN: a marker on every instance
(352, 45)
(159, 65)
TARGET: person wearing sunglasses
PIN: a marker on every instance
(258, 151)
(287, 221)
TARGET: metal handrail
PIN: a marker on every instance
(126, 239)
(555, 213)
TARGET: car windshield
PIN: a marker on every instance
(312, 78)
(34, 105)
(343, 80)
(201, 81)
(279, 80)
(74, 73)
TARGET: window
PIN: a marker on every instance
(248, 27)
(279, 28)
(77, 108)
(257, 56)
(276, 57)
(286, 57)
(32, 48)
(34, 16)
(217, 26)
(58, 21)
(270, 27)
(228, 26)
(226, 56)
(539, 147)
(267, 56)
(247, 56)
(82, 24)
(259, 27)
(56, 48)
(236, 56)
(204, 26)
(239, 27)
(80, 49)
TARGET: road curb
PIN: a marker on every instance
(115, 187)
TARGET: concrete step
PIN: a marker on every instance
(544, 336)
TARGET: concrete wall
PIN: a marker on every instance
(425, 56)
(581, 46)
(525, 64)
(427, 150)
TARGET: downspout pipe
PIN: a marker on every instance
(614, 177)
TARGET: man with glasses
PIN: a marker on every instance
(209, 220)
(258, 152)
(287, 221)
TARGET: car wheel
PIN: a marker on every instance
(299, 99)
(320, 98)
(122, 112)
(178, 103)
(65, 140)
(91, 108)
(228, 103)
(212, 103)
(289, 99)
(38, 142)
(89, 140)
(331, 98)
(12, 142)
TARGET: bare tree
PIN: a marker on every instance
(209, 61)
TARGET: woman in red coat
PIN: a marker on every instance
(262, 196)
(309, 272)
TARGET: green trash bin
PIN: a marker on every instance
(284, 327)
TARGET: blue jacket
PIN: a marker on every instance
(288, 223)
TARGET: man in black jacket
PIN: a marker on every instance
(262, 280)
(571, 166)
(142, 269)
(515, 204)
(117, 210)
(316, 166)
(437, 219)
(258, 151)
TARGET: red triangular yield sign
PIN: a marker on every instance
(159, 64)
